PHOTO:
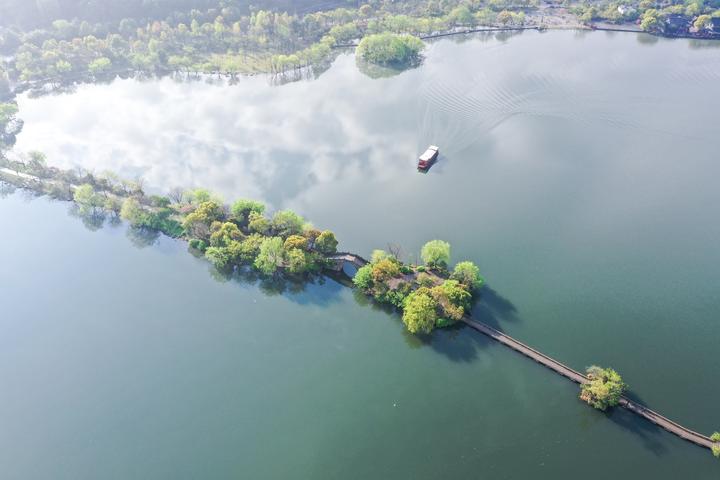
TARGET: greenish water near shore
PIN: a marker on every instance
(578, 171)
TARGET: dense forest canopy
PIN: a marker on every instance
(36, 13)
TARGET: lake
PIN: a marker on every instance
(578, 170)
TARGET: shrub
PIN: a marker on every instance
(398, 296)
(425, 280)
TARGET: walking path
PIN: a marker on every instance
(577, 377)
(340, 258)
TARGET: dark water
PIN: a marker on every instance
(579, 171)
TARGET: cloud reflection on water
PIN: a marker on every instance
(280, 144)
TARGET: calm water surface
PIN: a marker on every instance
(578, 170)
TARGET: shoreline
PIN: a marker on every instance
(83, 78)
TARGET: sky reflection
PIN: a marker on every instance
(521, 122)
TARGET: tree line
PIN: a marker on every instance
(225, 38)
(650, 15)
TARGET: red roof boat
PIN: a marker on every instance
(426, 160)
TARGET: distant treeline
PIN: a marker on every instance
(28, 14)
(225, 39)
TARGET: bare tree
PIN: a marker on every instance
(395, 250)
(176, 195)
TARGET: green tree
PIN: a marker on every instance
(462, 15)
(133, 213)
(390, 49)
(197, 224)
(242, 208)
(363, 278)
(311, 234)
(100, 65)
(298, 261)
(296, 242)
(378, 255)
(694, 8)
(702, 22)
(249, 248)
(87, 199)
(603, 389)
(258, 223)
(365, 10)
(221, 257)
(10, 126)
(452, 298)
(201, 195)
(384, 270)
(650, 21)
(715, 437)
(436, 254)
(468, 274)
(419, 315)
(505, 17)
(37, 163)
(225, 233)
(287, 222)
(62, 66)
(271, 255)
(326, 243)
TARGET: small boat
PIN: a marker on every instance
(426, 160)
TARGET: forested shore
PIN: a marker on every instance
(232, 38)
(222, 40)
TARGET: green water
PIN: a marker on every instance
(578, 170)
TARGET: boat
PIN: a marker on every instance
(426, 160)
